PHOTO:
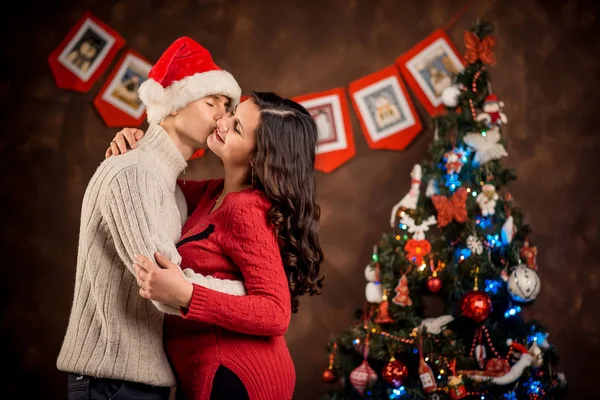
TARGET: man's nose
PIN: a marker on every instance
(219, 113)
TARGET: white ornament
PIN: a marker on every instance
(480, 355)
(374, 292)
(362, 376)
(523, 284)
(418, 231)
(486, 147)
(536, 353)
(450, 96)
(487, 200)
(474, 244)
(508, 230)
(431, 188)
(370, 273)
(434, 326)
(409, 201)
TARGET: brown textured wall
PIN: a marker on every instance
(548, 75)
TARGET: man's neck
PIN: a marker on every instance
(184, 148)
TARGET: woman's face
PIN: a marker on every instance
(233, 141)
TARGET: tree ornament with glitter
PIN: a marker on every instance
(476, 305)
(394, 372)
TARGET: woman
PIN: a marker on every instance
(258, 224)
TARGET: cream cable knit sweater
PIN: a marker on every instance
(132, 205)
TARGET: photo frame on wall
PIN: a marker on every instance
(117, 102)
(385, 111)
(84, 54)
(429, 68)
(330, 111)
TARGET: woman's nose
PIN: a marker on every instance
(222, 125)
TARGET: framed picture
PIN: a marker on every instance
(118, 102)
(330, 111)
(386, 113)
(84, 54)
(429, 68)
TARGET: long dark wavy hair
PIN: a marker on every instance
(283, 168)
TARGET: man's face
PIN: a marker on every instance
(197, 120)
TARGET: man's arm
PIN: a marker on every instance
(130, 213)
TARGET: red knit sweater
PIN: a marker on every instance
(242, 333)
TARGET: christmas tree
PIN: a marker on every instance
(464, 243)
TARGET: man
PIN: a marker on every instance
(132, 205)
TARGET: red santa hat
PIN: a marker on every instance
(491, 99)
(183, 74)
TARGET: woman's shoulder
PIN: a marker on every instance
(248, 205)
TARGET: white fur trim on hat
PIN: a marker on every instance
(160, 102)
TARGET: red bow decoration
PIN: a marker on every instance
(454, 207)
(416, 250)
(479, 49)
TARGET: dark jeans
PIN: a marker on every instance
(82, 387)
(227, 386)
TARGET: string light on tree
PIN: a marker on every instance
(512, 311)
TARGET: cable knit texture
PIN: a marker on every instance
(243, 333)
(131, 206)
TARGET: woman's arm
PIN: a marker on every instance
(250, 241)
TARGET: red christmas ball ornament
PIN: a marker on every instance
(476, 305)
(329, 376)
(394, 372)
(434, 284)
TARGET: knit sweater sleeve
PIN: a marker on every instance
(131, 209)
(250, 241)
